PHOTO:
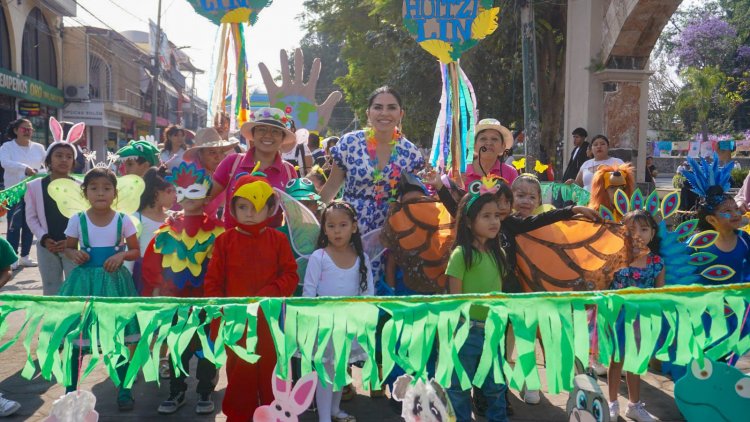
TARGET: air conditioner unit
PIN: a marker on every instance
(77, 92)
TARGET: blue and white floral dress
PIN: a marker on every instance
(350, 153)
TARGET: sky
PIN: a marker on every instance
(277, 28)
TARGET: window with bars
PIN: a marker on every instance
(38, 50)
(4, 41)
(100, 78)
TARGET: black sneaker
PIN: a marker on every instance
(125, 401)
(170, 405)
(205, 405)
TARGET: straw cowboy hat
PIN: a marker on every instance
(268, 116)
(494, 124)
(207, 138)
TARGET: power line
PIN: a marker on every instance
(126, 11)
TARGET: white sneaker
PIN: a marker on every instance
(599, 369)
(638, 412)
(614, 410)
(8, 407)
(14, 266)
(532, 396)
(25, 261)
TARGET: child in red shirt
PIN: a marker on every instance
(251, 260)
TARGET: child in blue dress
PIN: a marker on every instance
(646, 271)
(99, 231)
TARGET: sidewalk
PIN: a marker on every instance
(36, 395)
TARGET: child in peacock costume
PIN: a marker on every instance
(727, 259)
(175, 264)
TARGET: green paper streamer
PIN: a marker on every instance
(413, 328)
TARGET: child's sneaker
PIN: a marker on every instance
(205, 405)
(8, 407)
(638, 412)
(171, 404)
(614, 410)
(125, 400)
(531, 396)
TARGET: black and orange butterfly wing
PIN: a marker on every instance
(572, 255)
(419, 234)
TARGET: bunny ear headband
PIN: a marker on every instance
(74, 134)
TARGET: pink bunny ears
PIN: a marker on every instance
(74, 134)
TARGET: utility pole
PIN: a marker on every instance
(156, 68)
(530, 85)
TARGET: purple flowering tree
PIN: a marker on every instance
(707, 42)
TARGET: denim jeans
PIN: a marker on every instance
(469, 356)
(18, 229)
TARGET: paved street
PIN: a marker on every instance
(36, 396)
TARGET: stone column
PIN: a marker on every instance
(624, 105)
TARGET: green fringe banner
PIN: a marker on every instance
(572, 192)
(669, 320)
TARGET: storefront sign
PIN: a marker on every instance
(28, 108)
(20, 86)
(91, 113)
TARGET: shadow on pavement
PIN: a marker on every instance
(28, 392)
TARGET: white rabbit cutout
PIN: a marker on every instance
(289, 402)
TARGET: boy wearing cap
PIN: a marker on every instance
(139, 156)
(251, 260)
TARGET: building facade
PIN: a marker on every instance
(31, 63)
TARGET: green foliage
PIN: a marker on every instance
(739, 175)
(703, 94)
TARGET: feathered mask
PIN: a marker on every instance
(190, 181)
(710, 181)
(489, 184)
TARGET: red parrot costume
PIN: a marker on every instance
(251, 261)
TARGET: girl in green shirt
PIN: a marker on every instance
(477, 265)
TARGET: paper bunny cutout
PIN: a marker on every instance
(289, 402)
(76, 406)
(74, 134)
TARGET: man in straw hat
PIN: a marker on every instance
(208, 149)
(269, 135)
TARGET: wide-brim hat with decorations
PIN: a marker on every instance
(273, 117)
(494, 124)
(208, 137)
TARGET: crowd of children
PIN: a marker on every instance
(181, 250)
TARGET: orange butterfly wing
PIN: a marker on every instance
(571, 255)
(419, 233)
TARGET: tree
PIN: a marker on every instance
(702, 93)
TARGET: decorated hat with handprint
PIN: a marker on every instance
(272, 117)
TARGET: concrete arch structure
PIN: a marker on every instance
(608, 45)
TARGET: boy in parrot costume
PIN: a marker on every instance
(175, 264)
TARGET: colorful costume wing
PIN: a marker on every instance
(129, 190)
(419, 233)
(304, 228)
(372, 245)
(571, 255)
(69, 197)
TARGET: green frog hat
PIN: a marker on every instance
(140, 148)
(302, 189)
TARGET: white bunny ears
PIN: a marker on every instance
(74, 134)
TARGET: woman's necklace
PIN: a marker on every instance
(378, 178)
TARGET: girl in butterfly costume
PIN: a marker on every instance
(98, 240)
(175, 264)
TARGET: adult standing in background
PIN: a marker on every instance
(577, 156)
(174, 147)
(600, 148)
(20, 158)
